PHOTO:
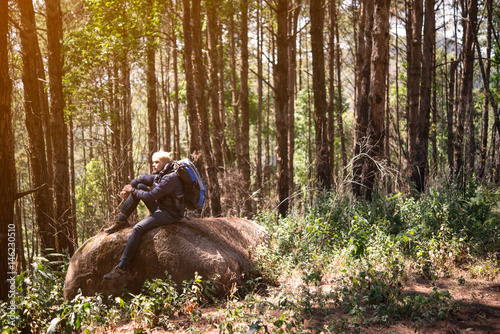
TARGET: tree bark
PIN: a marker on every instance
(116, 125)
(323, 171)
(127, 161)
(472, 142)
(194, 127)
(260, 25)
(416, 125)
(281, 101)
(340, 107)
(331, 83)
(397, 124)
(64, 222)
(486, 102)
(362, 67)
(151, 95)
(421, 119)
(450, 112)
(45, 108)
(434, 109)
(234, 86)
(293, 19)
(226, 151)
(245, 114)
(200, 89)
(213, 29)
(167, 102)
(177, 139)
(8, 187)
(34, 126)
(495, 172)
(465, 96)
(378, 90)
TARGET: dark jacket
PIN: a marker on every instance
(167, 186)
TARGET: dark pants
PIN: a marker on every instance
(157, 218)
(132, 202)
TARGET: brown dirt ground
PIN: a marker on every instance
(479, 302)
(478, 313)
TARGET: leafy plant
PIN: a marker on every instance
(365, 250)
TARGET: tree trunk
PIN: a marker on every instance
(292, 75)
(64, 222)
(151, 95)
(245, 114)
(310, 158)
(177, 139)
(362, 67)
(472, 141)
(44, 105)
(340, 107)
(34, 126)
(226, 151)
(21, 257)
(200, 89)
(416, 125)
(323, 174)
(281, 101)
(127, 161)
(72, 172)
(495, 172)
(65, 225)
(465, 97)
(167, 102)
(486, 102)
(271, 49)
(378, 91)
(213, 7)
(116, 128)
(194, 127)
(258, 173)
(434, 108)
(449, 112)
(421, 120)
(397, 124)
(331, 84)
(234, 87)
(8, 187)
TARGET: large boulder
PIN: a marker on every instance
(215, 248)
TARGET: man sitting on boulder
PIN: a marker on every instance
(162, 200)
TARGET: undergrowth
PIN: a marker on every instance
(365, 251)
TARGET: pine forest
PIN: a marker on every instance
(363, 135)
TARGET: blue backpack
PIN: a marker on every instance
(194, 188)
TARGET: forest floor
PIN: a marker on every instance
(478, 310)
(479, 307)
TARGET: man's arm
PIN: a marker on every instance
(146, 180)
(126, 191)
(170, 183)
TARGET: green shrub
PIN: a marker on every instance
(368, 247)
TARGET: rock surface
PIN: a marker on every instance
(209, 246)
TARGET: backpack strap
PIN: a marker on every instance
(177, 199)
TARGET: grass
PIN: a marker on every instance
(339, 266)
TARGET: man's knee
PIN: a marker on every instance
(138, 229)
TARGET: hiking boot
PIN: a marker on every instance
(118, 225)
(116, 273)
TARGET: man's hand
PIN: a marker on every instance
(126, 191)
